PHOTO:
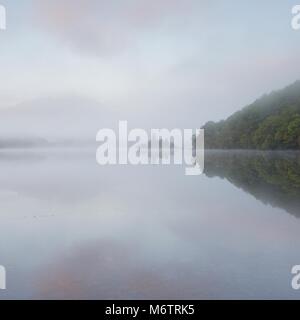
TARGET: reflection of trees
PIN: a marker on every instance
(271, 177)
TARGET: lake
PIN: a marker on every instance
(71, 229)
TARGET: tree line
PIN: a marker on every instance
(270, 123)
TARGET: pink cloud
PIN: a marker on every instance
(102, 27)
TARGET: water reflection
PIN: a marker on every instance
(73, 229)
(271, 177)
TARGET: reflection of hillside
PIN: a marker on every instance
(271, 177)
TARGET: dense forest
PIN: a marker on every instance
(270, 123)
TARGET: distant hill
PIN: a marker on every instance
(28, 142)
(67, 120)
(270, 123)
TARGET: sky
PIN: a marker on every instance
(163, 63)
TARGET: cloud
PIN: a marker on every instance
(105, 27)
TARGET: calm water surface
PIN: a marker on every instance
(73, 229)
